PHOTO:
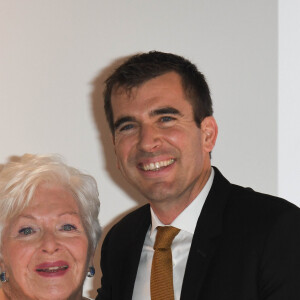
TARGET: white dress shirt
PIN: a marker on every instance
(181, 245)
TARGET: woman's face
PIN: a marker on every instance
(45, 248)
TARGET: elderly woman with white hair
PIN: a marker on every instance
(49, 229)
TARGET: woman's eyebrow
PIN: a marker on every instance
(26, 216)
(71, 213)
(32, 217)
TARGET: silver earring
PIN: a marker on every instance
(3, 277)
(91, 272)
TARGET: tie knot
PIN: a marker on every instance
(165, 236)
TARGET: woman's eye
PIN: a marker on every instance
(26, 231)
(68, 227)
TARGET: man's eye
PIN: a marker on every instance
(126, 127)
(26, 231)
(68, 227)
(166, 119)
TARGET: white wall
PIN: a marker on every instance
(289, 101)
(55, 54)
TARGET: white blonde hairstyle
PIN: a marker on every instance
(20, 179)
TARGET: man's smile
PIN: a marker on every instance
(156, 166)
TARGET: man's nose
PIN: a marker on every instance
(150, 138)
(50, 242)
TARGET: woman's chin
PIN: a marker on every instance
(43, 292)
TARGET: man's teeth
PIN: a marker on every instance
(53, 269)
(157, 165)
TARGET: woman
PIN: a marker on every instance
(49, 229)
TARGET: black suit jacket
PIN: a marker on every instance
(246, 246)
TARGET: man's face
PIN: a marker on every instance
(159, 148)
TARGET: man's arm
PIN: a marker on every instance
(280, 265)
(105, 293)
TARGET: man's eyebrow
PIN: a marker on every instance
(156, 112)
(164, 111)
(123, 120)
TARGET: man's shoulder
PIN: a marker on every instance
(136, 216)
(243, 203)
(262, 212)
(248, 196)
(134, 221)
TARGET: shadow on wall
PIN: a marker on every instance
(105, 137)
(106, 142)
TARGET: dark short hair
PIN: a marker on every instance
(142, 67)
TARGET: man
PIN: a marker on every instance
(233, 243)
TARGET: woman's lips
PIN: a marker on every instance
(52, 269)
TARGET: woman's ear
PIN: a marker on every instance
(91, 261)
(2, 266)
(91, 255)
(209, 129)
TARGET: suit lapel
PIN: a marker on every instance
(206, 238)
(132, 256)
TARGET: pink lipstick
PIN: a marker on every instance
(52, 269)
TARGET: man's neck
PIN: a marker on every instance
(169, 210)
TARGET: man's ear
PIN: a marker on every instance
(209, 129)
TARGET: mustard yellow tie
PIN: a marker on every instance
(161, 284)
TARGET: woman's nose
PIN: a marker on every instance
(50, 242)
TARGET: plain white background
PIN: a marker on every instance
(54, 56)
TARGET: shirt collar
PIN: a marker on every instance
(187, 219)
